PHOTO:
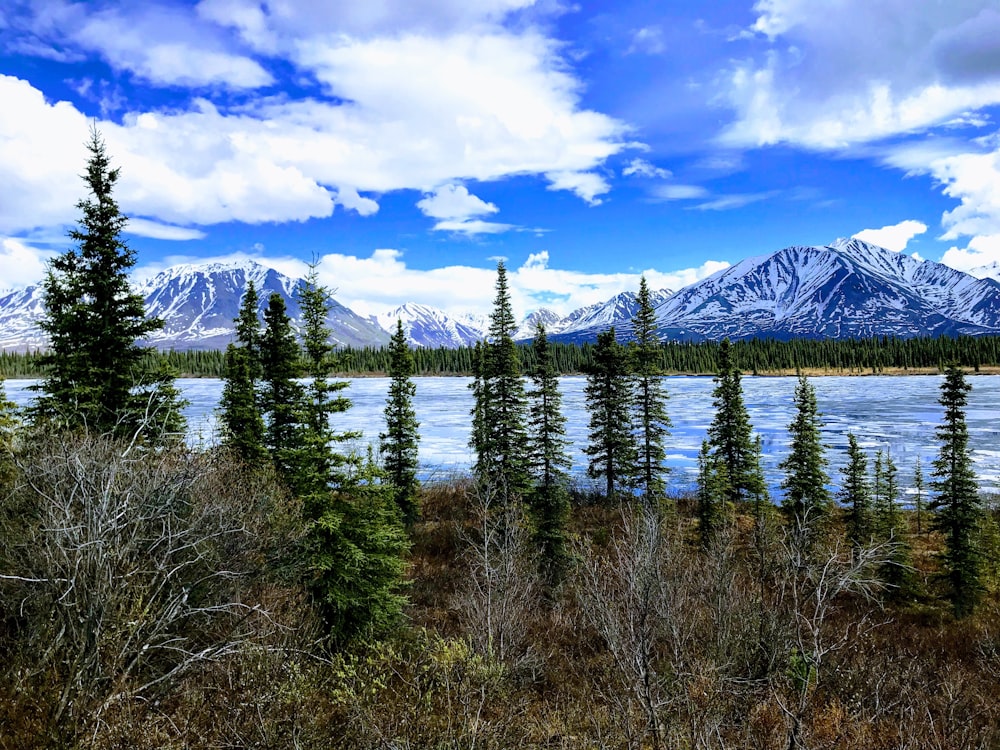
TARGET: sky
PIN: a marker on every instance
(406, 146)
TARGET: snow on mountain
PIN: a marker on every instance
(548, 318)
(197, 304)
(427, 326)
(989, 271)
(848, 289)
(584, 324)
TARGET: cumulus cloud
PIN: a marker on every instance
(642, 168)
(862, 70)
(20, 263)
(981, 251)
(894, 237)
(454, 202)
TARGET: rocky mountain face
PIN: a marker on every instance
(847, 289)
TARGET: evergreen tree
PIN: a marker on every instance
(281, 395)
(500, 409)
(239, 407)
(888, 527)
(399, 441)
(807, 501)
(548, 499)
(97, 377)
(649, 412)
(957, 503)
(612, 448)
(918, 494)
(712, 486)
(856, 494)
(729, 434)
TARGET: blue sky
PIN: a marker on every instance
(408, 144)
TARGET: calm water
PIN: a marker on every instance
(898, 414)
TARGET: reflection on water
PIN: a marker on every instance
(897, 414)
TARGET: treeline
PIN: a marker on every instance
(752, 356)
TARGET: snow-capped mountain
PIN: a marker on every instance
(847, 289)
(427, 326)
(584, 324)
(989, 271)
(197, 304)
(552, 321)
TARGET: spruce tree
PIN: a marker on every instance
(712, 486)
(649, 411)
(918, 494)
(856, 494)
(548, 498)
(399, 441)
(729, 434)
(888, 527)
(500, 409)
(97, 377)
(608, 392)
(807, 502)
(956, 503)
(281, 395)
(239, 407)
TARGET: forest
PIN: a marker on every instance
(277, 591)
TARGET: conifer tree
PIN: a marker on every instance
(281, 395)
(501, 405)
(956, 503)
(888, 527)
(239, 406)
(399, 441)
(649, 411)
(856, 494)
(807, 501)
(729, 434)
(612, 448)
(548, 499)
(712, 486)
(98, 378)
(918, 494)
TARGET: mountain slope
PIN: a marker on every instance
(429, 327)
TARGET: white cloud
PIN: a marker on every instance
(894, 237)
(648, 40)
(642, 168)
(158, 231)
(862, 70)
(20, 263)
(736, 200)
(586, 185)
(349, 198)
(472, 226)
(678, 192)
(983, 250)
(454, 202)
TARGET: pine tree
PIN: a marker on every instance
(612, 448)
(729, 434)
(97, 377)
(281, 395)
(649, 411)
(957, 504)
(888, 527)
(918, 494)
(239, 407)
(501, 404)
(856, 494)
(712, 486)
(399, 441)
(807, 502)
(548, 499)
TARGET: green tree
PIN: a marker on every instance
(501, 404)
(608, 392)
(729, 435)
(239, 407)
(548, 499)
(888, 527)
(856, 494)
(649, 410)
(399, 441)
(956, 503)
(807, 502)
(712, 486)
(918, 495)
(282, 395)
(97, 377)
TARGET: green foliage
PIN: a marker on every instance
(918, 495)
(281, 396)
(729, 434)
(807, 502)
(649, 410)
(97, 378)
(499, 433)
(713, 484)
(856, 494)
(612, 447)
(239, 407)
(889, 527)
(548, 499)
(355, 546)
(399, 441)
(956, 504)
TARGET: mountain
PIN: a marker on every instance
(844, 290)
(197, 304)
(552, 321)
(989, 271)
(584, 324)
(429, 327)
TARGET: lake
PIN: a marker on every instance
(895, 413)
